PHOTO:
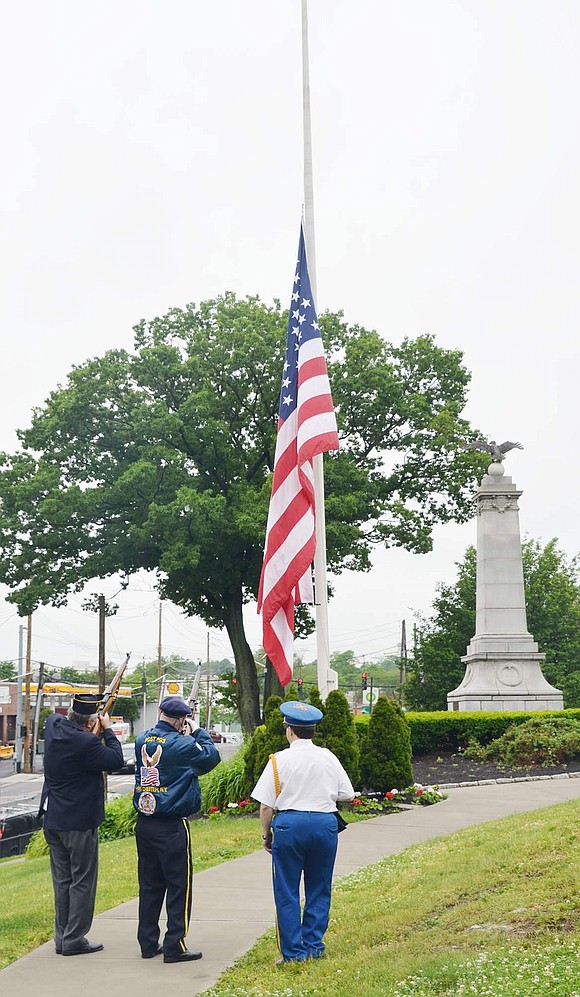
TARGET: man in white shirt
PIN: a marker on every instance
(298, 792)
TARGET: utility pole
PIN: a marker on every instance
(402, 661)
(37, 709)
(102, 613)
(144, 691)
(207, 690)
(26, 746)
(159, 662)
(19, 702)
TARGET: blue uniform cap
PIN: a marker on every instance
(174, 706)
(301, 714)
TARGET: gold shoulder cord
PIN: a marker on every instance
(276, 776)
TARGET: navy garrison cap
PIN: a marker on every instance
(300, 714)
(175, 707)
(86, 705)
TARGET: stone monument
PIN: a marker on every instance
(503, 665)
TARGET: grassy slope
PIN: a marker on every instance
(420, 916)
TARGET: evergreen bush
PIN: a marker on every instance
(315, 699)
(336, 730)
(268, 738)
(386, 763)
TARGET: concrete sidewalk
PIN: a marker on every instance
(233, 904)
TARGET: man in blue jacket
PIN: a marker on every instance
(169, 760)
(73, 805)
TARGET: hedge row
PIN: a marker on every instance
(448, 731)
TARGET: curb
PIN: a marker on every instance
(498, 782)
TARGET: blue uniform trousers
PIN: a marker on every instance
(165, 873)
(304, 844)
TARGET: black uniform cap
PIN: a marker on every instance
(86, 705)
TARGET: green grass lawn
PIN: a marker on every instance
(487, 912)
(26, 898)
(493, 911)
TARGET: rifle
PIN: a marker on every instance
(110, 693)
(190, 723)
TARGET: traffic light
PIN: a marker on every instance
(364, 678)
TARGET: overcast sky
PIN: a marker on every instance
(152, 156)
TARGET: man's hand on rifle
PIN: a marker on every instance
(100, 723)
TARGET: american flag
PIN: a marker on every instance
(149, 776)
(306, 427)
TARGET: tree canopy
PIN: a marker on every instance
(161, 458)
(8, 671)
(553, 613)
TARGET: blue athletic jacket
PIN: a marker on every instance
(167, 770)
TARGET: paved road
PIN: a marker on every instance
(233, 902)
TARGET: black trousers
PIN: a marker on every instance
(165, 873)
(74, 857)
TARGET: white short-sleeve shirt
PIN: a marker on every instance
(311, 778)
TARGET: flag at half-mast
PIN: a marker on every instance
(306, 427)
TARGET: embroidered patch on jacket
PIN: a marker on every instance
(149, 770)
(147, 803)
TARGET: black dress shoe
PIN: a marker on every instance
(58, 951)
(183, 957)
(85, 949)
(151, 955)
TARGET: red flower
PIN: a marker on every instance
(356, 803)
(419, 792)
(214, 810)
(389, 796)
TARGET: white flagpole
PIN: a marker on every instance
(327, 678)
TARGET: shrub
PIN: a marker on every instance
(120, 817)
(386, 762)
(448, 730)
(224, 784)
(336, 732)
(540, 741)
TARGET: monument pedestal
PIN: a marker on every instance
(503, 665)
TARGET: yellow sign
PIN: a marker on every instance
(67, 689)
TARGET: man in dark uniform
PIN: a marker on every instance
(298, 792)
(167, 793)
(73, 805)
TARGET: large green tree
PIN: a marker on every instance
(553, 613)
(161, 458)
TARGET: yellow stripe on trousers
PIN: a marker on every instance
(189, 882)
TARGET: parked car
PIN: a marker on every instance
(128, 765)
(216, 738)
